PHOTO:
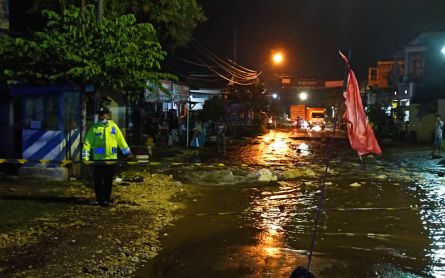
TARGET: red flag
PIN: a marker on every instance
(361, 135)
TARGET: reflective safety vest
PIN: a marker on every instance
(102, 141)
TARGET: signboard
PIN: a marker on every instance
(285, 81)
(310, 83)
(150, 93)
(333, 84)
(177, 92)
(180, 92)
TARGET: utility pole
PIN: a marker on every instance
(82, 15)
(235, 46)
(100, 13)
(4, 14)
(100, 9)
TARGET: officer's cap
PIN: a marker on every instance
(103, 111)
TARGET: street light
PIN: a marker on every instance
(303, 96)
(274, 95)
(443, 50)
(277, 58)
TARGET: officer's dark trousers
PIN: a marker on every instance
(103, 181)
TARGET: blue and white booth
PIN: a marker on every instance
(51, 119)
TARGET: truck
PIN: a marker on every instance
(307, 117)
(297, 112)
(316, 117)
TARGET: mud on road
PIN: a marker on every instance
(55, 229)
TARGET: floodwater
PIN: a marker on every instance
(380, 218)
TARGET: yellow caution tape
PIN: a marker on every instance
(137, 162)
(326, 209)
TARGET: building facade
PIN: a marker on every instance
(424, 82)
(417, 96)
(385, 74)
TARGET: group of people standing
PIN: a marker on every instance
(163, 132)
(201, 130)
(167, 132)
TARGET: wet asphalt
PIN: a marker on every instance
(383, 217)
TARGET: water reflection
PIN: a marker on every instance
(432, 215)
(384, 238)
(303, 148)
(374, 230)
(274, 147)
(272, 212)
(380, 220)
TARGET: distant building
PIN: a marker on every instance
(411, 89)
(385, 74)
(424, 59)
(382, 88)
(424, 82)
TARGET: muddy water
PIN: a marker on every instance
(383, 218)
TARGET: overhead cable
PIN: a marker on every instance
(220, 61)
(226, 78)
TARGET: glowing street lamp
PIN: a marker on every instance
(303, 96)
(274, 95)
(443, 50)
(277, 58)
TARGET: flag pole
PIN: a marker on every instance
(345, 83)
(360, 134)
(328, 161)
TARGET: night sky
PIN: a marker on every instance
(312, 31)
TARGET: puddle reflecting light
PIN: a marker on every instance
(267, 138)
(316, 128)
(279, 144)
(272, 251)
(303, 148)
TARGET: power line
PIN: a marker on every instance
(224, 68)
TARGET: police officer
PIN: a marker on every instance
(101, 143)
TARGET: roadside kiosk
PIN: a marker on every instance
(51, 127)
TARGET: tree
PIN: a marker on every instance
(174, 20)
(253, 97)
(213, 109)
(113, 54)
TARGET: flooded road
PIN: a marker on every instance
(382, 218)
